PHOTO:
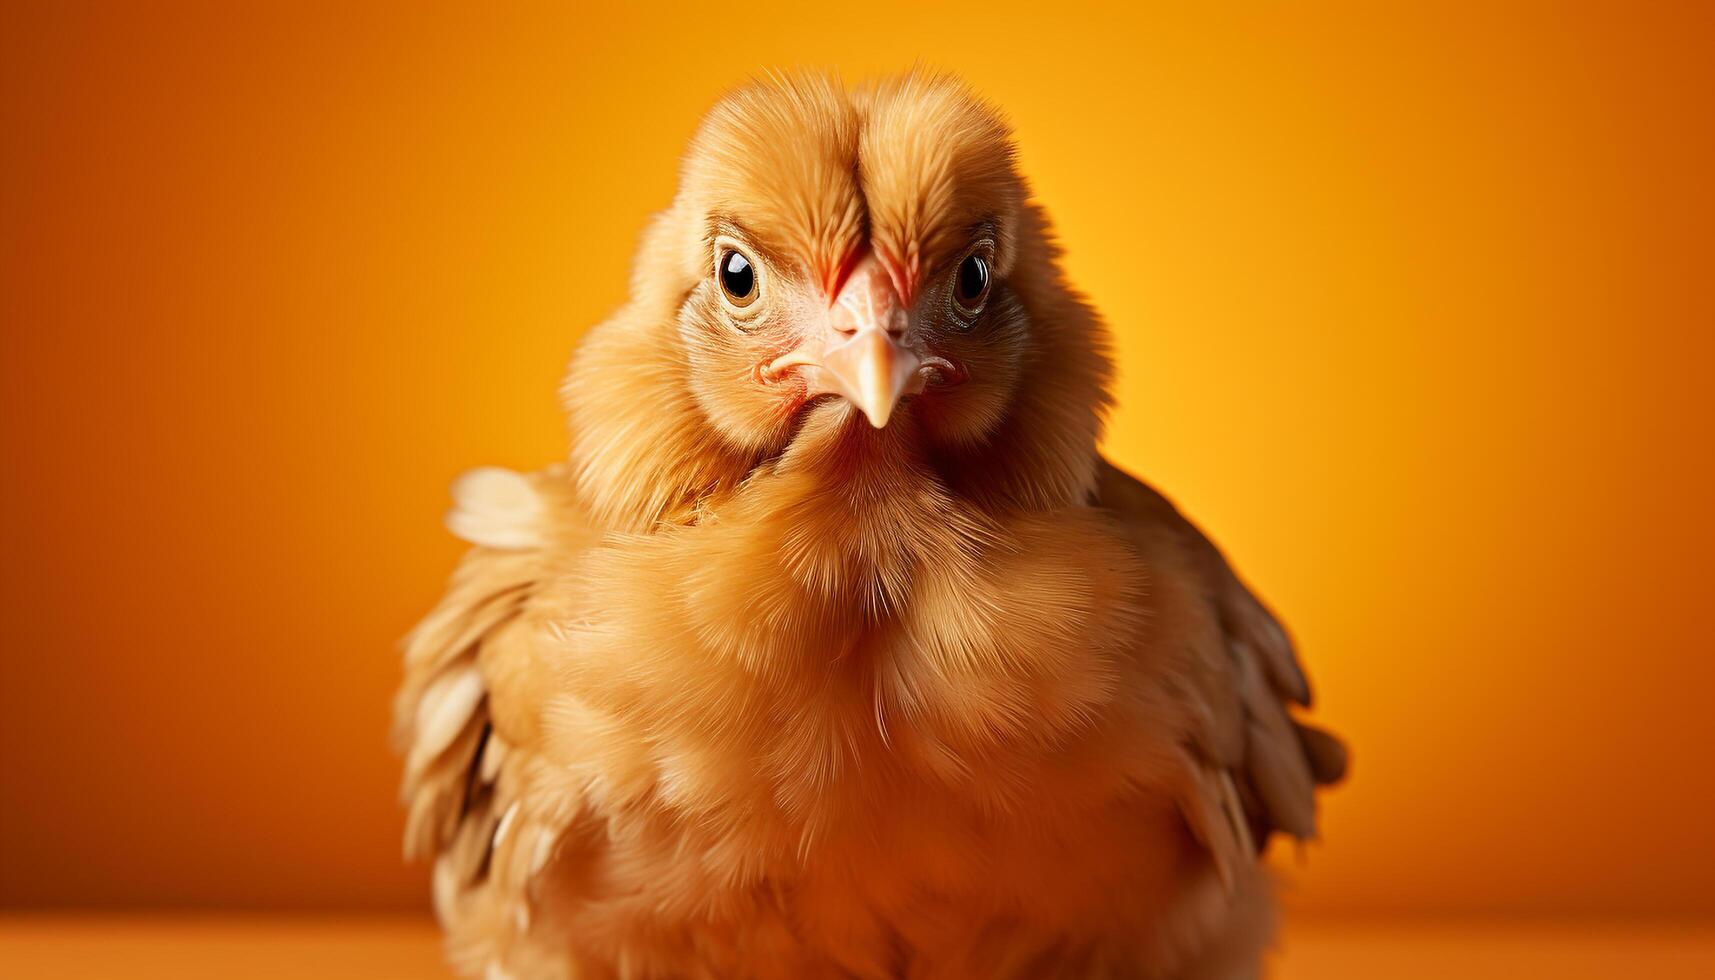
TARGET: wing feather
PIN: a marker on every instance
(1252, 769)
(458, 784)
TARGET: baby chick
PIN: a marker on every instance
(835, 649)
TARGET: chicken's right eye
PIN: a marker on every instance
(738, 278)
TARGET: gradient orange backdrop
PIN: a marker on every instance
(1414, 309)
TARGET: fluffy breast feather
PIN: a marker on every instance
(902, 695)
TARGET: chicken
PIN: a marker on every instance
(835, 649)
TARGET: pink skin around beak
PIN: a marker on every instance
(860, 351)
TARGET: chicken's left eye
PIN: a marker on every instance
(971, 283)
(738, 278)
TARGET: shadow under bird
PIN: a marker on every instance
(835, 649)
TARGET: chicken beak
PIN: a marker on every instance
(872, 371)
(864, 356)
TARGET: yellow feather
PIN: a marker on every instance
(751, 688)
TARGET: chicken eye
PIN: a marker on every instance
(971, 285)
(738, 278)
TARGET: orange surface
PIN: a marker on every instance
(213, 948)
(1413, 311)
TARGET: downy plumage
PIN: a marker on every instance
(835, 649)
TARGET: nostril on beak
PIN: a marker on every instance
(895, 322)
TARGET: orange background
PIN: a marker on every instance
(1414, 311)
